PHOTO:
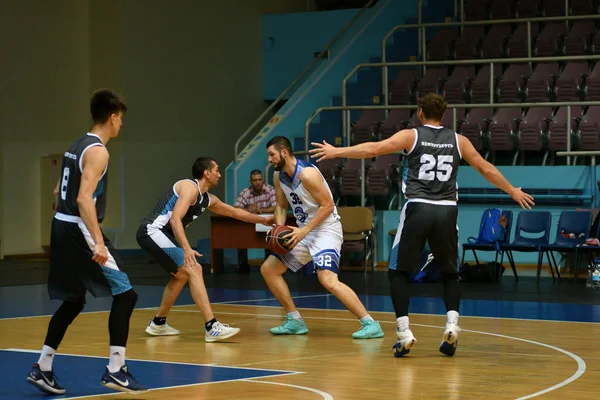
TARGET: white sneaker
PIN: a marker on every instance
(450, 342)
(161, 330)
(404, 341)
(220, 331)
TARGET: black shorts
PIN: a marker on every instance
(72, 270)
(421, 222)
(162, 246)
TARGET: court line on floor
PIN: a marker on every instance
(319, 309)
(267, 299)
(161, 362)
(287, 373)
(426, 314)
(581, 365)
(179, 305)
(324, 395)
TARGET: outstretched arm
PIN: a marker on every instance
(221, 208)
(402, 140)
(491, 173)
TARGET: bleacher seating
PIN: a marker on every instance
(507, 134)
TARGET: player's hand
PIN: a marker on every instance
(189, 258)
(253, 208)
(100, 253)
(295, 237)
(268, 220)
(323, 151)
(522, 198)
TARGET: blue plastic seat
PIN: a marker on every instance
(533, 222)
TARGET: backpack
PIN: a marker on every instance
(492, 228)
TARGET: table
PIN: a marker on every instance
(230, 233)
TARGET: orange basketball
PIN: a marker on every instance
(275, 239)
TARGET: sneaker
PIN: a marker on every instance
(161, 330)
(220, 331)
(369, 330)
(290, 326)
(44, 380)
(450, 342)
(122, 380)
(404, 341)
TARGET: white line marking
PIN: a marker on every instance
(176, 387)
(161, 362)
(581, 365)
(426, 314)
(325, 396)
(320, 309)
(270, 299)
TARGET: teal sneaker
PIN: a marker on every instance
(369, 330)
(290, 326)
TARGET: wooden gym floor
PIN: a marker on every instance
(547, 352)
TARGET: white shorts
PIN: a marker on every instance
(319, 249)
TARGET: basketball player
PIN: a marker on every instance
(316, 242)
(431, 212)
(81, 257)
(162, 235)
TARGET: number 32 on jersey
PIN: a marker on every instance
(433, 167)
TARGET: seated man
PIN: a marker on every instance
(258, 198)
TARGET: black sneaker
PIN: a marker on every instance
(45, 381)
(122, 381)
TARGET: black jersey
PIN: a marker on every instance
(432, 165)
(71, 178)
(161, 214)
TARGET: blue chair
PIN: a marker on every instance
(492, 247)
(570, 222)
(534, 222)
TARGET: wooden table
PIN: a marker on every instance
(230, 233)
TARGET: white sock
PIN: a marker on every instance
(296, 315)
(402, 323)
(46, 358)
(452, 318)
(366, 319)
(117, 358)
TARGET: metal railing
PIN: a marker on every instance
(491, 61)
(591, 154)
(453, 107)
(422, 45)
(298, 78)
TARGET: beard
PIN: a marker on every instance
(280, 165)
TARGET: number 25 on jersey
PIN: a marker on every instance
(433, 167)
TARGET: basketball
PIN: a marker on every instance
(275, 239)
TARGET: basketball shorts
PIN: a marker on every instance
(72, 270)
(421, 222)
(161, 245)
(319, 249)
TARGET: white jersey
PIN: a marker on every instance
(304, 206)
